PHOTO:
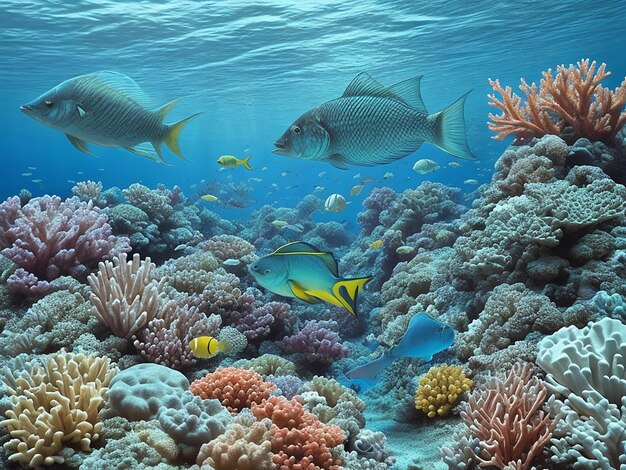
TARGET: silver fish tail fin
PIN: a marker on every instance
(371, 369)
(449, 128)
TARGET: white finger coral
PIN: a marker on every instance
(54, 405)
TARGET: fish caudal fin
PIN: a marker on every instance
(346, 291)
(449, 127)
(172, 134)
(371, 369)
(223, 346)
(246, 164)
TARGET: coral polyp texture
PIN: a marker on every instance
(440, 389)
(573, 98)
(54, 405)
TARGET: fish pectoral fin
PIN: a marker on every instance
(346, 291)
(300, 293)
(338, 161)
(81, 110)
(79, 144)
(146, 150)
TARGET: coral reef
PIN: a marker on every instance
(573, 98)
(48, 238)
(56, 405)
(440, 389)
(316, 341)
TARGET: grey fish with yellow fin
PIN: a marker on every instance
(110, 109)
(205, 347)
(373, 125)
(424, 337)
(300, 270)
(230, 161)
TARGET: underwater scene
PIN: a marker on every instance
(326, 235)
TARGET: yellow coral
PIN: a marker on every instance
(54, 405)
(439, 389)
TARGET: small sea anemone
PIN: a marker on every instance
(439, 389)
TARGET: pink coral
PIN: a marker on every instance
(234, 388)
(317, 341)
(573, 97)
(48, 238)
(505, 416)
(165, 340)
(299, 439)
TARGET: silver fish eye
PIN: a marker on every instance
(296, 130)
(48, 103)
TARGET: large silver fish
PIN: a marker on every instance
(110, 109)
(374, 125)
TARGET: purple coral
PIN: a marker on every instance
(257, 324)
(378, 200)
(317, 341)
(48, 238)
(166, 339)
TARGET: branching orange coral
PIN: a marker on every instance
(299, 439)
(234, 388)
(505, 416)
(573, 97)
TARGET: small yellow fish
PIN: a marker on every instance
(356, 190)
(229, 161)
(376, 245)
(367, 180)
(209, 198)
(205, 347)
(404, 250)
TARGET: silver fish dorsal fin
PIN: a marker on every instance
(364, 85)
(122, 84)
(304, 248)
(409, 92)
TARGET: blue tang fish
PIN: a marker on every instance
(423, 338)
(302, 271)
(110, 109)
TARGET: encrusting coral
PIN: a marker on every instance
(574, 97)
(55, 405)
(440, 389)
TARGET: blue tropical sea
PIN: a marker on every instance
(333, 264)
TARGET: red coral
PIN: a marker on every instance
(299, 440)
(573, 97)
(234, 388)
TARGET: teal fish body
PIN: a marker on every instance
(109, 109)
(299, 270)
(374, 125)
(423, 338)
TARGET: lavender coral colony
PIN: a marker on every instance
(139, 331)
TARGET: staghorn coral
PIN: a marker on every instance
(55, 405)
(574, 98)
(48, 238)
(125, 296)
(440, 389)
(585, 373)
(235, 388)
(317, 341)
(299, 440)
(505, 415)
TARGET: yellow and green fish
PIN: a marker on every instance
(302, 271)
(209, 198)
(229, 161)
(205, 347)
(110, 109)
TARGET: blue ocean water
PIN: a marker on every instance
(251, 68)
